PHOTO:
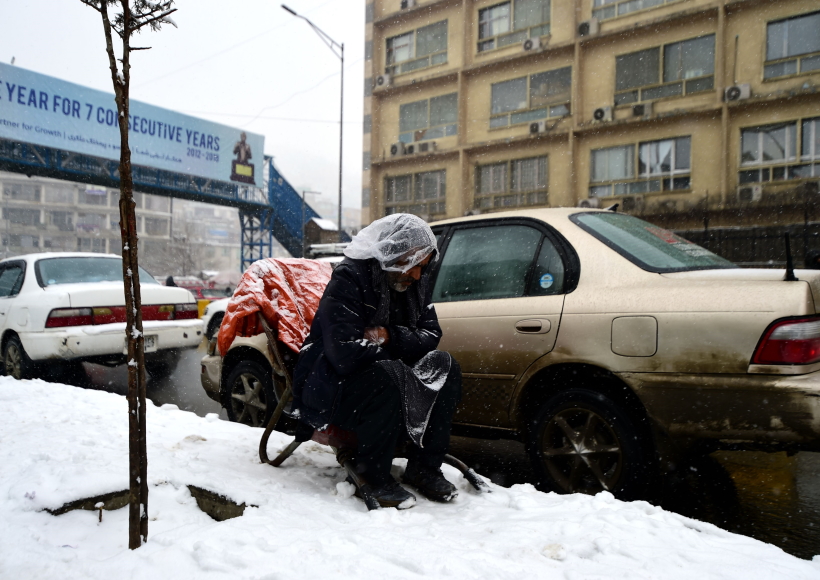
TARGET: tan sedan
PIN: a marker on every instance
(606, 343)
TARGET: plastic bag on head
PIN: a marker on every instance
(400, 236)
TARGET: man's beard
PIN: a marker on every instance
(395, 279)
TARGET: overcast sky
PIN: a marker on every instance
(243, 63)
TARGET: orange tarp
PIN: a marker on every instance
(286, 291)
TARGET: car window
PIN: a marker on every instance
(486, 262)
(11, 278)
(77, 270)
(649, 247)
(548, 277)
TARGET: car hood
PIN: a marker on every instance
(776, 276)
(112, 294)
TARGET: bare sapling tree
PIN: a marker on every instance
(129, 18)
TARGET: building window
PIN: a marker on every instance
(512, 22)
(156, 227)
(58, 194)
(792, 46)
(157, 203)
(23, 217)
(603, 9)
(22, 192)
(516, 183)
(96, 245)
(422, 194)
(428, 119)
(21, 241)
(679, 68)
(663, 165)
(62, 220)
(769, 152)
(90, 222)
(426, 46)
(93, 196)
(531, 98)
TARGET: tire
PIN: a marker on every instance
(583, 442)
(248, 395)
(213, 325)
(161, 365)
(16, 362)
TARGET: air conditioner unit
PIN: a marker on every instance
(592, 202)
(405, 4)
(383, 81)
(642, 110)
(397, 149)
(737, 92)
(410, 149)
(427, 147)
(538, 127)
(588, 27)
(602, 114)
(750, 193)
(531, 44)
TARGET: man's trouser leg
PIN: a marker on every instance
(436, 439)
(370, 406)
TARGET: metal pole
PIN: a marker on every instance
(303, 225)
(341, 128)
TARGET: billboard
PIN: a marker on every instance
(46, 111)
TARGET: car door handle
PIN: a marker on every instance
(533, 326)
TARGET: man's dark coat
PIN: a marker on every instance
(335, 348)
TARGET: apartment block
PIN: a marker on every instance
(691, 113)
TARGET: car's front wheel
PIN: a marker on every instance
(248, 395)
(583, 442)
(16, 362)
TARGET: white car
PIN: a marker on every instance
(70, 308)
(213, 315)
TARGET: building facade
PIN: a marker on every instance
(692, 113)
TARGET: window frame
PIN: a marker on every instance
(600, 11)
(572, 264)
(624, 96)
(412, 204)
(562, 108)
(794, 167)
(796, 58)
(535, 31)
(642, 183)
(495, 198)
(395, 68)
(413, 135)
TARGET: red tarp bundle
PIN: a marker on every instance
(286, 291)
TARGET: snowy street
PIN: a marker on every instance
(59, 444)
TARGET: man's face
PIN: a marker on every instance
(401, 281)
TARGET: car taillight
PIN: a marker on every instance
(69, 317)
(186, 311)
(790, 342)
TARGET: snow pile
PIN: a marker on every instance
(60, 443)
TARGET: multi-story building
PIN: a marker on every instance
(692, 113)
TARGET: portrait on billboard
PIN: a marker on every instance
(241, 168)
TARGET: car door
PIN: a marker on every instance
(11, 280)
(499, 293)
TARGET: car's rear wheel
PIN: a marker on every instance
(214, 324)
(583, 442)
(16, 362)
(248, 396)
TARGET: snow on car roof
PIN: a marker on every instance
(41, 255)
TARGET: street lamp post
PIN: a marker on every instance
(333, 46)
(304, 218)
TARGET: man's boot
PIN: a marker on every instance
(389, 494)
(429, 481)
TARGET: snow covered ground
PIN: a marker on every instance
(60, 443)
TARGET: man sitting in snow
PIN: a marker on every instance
(370, 364)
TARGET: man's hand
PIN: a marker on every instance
(377, 334)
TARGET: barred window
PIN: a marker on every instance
(422, 194)
(515, 183)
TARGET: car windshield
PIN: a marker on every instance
(651, 248)
(78, 270)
